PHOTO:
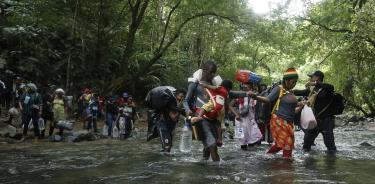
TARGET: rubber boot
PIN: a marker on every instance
(274, 149)
(287, 153)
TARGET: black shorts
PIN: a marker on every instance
(165, 130)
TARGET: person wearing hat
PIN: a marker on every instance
(58, 108)
(319, 97)
(30, 105)
(284, 110)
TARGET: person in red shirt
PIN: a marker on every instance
(210, 114)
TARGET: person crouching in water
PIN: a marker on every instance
(282, 127)
(245, 117)
(208, 117)
(164, 115)
(58, 108)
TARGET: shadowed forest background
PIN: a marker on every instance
(134, 45)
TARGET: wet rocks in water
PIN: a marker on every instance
(86, 137)
(65, 125)
(12, 171)
(371, 126)
(365, 144)
(352, 123)
(55, 138)
(353, 119)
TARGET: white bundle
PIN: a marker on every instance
(197, 76)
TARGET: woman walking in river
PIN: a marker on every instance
(282, 117)
(245, 117)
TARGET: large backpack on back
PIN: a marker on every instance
(160, 97)
(335, 107)
(264, 110)
(339, 103)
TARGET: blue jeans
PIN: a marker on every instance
(110, 118)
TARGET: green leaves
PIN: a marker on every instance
(358, 3)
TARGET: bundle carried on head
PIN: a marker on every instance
(246, 76)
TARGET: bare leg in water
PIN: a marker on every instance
(206, 153)
(214, 153)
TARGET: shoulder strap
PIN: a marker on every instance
(325, 108)
(277, 104)
(312, 97)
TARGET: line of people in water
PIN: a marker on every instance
(261, 113)
(35, 108)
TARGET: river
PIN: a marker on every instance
(138, 161)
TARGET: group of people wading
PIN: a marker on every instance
(209, 99)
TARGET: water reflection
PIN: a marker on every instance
(138, 161)
(284, 171)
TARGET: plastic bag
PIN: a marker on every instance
(41, 124)
(11, 130)
(115, 132)
(105, 130)
(31, 125)
(308, 120)
(239, 131)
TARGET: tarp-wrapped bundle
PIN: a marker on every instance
(246, 76)
(65, 125)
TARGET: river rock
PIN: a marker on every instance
(352, 123)
(366, 144)
(12, 171)
(86, 137)
(55, 138)
(361, 118)
(371, 126)
(353, 119)
(71, 138)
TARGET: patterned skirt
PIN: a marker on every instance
(282, 132)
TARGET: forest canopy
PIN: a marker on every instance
(134, 45)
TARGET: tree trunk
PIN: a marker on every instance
(137, 14)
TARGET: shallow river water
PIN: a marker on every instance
(138, 161)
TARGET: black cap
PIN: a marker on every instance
(317, 73)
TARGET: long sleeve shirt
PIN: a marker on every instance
(196, 98)
(323, 98)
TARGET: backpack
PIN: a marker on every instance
(264, 110)
(161, 97)
(338, 103)
(336, 106)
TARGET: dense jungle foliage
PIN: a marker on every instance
(133, 45)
